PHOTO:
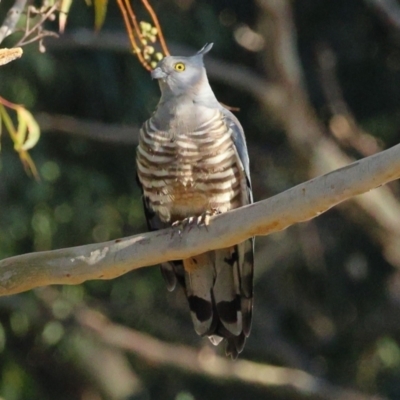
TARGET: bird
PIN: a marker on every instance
(192, 163)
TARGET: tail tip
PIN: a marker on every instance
(215, 339)
(235, 345)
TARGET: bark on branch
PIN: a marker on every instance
(12, 18)
(111, 259)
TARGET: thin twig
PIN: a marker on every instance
(13, 16)
(157, 25)
(39, 37)
(133, 18)
(45, 16)
(137, 50)
(37, 28)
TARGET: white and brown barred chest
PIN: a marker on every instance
(186, 173)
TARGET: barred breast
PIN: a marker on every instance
(188, 172)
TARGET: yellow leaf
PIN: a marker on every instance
(8, 123)
(28, 129)
(25, 136)
(64, 10)
(100, 11)
(22, 132)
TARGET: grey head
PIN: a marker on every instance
(184, 76)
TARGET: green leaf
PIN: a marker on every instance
(100, 11)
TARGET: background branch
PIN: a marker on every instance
(388, 9)
(205, 362)
(92, 130)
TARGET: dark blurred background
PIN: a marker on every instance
(317, 84)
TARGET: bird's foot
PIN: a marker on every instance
(190, 222)
(183, 224)
(180, 225)
(204, 219)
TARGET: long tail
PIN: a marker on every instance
(219, 287)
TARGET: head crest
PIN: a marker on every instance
(205, 49)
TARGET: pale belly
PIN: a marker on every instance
(181, 198)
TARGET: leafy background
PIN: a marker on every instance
(327, 300)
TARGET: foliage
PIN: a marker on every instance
(25, 136)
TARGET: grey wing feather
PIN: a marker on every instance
(239, 141)
(245, 249)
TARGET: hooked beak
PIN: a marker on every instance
(158, 73)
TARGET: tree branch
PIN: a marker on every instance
(388, 9)
(381, 205)
(12, 18)
(111, 259)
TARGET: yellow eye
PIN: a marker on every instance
(179, 67)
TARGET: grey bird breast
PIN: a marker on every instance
(187, 167)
